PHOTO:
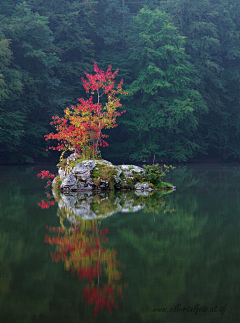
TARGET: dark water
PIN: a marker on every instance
(171, 258)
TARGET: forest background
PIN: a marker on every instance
(180, 61)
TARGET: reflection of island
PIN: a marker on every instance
(87, 205)
(82, 250)
(81, 241)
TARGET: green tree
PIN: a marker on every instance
(228, 134)
(164, 107)
(72, 23)
(212, 41)
(34, 59)
(111, 30)
(11, 122)
(50, 51)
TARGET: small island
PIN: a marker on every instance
(75, 174)
(80, 131)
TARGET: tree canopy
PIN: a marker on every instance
(180, 61)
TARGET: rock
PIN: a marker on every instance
(87, 175)
(69, 183)
(90, 164)
(119, 171)
(143, 187)
(80, 185)
(104, 185)
(132, 171)
(81, 171)
(117, 178)
(83, 186)
(89, 181)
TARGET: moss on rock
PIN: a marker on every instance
(103, 175)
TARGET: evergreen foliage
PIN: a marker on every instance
(162, 115)
(179, 58)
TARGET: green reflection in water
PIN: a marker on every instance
(181, 248)
(81, 246)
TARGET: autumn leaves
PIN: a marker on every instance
(82, 125)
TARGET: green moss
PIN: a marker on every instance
(58, 183)
(138, 176)
(104, 172)
(131, 183)
(111, 185)
(122, 176)
(73, 163)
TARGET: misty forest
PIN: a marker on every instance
(180, 61)
(119, 161)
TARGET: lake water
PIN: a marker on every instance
(121, 258)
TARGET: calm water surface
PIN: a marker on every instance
(171, 258)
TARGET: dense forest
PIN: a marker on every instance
(180, 61)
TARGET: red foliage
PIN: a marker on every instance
(45, 174)
(45, 204)
(82, 125)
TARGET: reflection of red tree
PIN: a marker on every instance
(81, 249)
(45, 204)
(100, 297)
(45, 174)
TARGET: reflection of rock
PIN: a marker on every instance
(143, 187)
(142, 193)
(89, 205)
(69, 200)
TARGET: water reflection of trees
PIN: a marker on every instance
(81, 244)
(187, 256)
(83, 250)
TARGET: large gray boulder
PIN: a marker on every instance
(81, 172)
(69, 183)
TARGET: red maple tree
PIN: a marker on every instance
(81, 127)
